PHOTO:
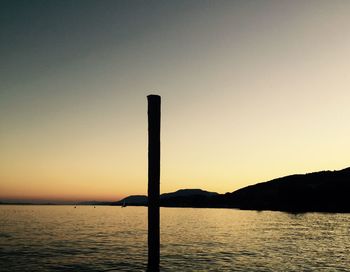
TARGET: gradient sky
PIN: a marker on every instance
(251, 90)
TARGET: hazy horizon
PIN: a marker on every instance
(251, 91)
(87, 199)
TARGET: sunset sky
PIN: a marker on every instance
(251, 91)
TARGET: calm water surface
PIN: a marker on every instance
(62, 238)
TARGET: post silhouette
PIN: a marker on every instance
(153, 182)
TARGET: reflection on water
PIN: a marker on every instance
(61, 238)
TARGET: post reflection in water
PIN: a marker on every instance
(61, 238)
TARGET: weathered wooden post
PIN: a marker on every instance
(153, 182)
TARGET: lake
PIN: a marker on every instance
(64, 238)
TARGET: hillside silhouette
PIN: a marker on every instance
(180, 198)
(324, 191)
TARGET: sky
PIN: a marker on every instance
(251, 91)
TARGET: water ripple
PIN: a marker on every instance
(60, 238)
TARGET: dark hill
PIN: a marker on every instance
(180, 198)
(188, 192)
(187, 198)
(134, 200)
(325, 191)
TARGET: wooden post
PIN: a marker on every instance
(153, 182)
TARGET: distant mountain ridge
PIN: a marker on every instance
(135, 200)
(188, 192)
(324, 191)
(167, 198)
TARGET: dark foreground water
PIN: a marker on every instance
(62, 238)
